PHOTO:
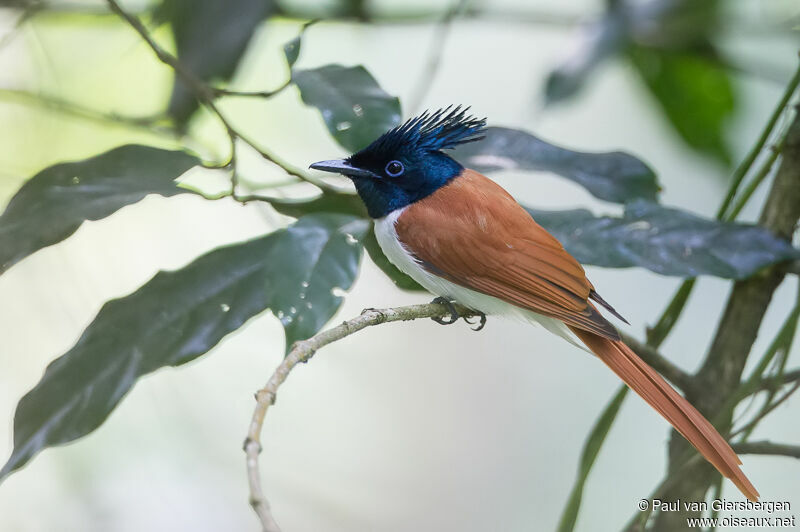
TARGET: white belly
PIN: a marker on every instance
(398, 255)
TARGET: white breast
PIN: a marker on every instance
(399, 256)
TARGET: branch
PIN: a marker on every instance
(302, 351)
(764, 411)
(719, 378)
(767, 447)
(772, 383)
(252, 94)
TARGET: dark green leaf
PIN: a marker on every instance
(177, 316)
(590, 451)
(354, 107)
(292, 50)
(328, 250)
(55, 202)
(670, 44)
(612, 176)
(211, 38)
(667, 241)
(695, 93)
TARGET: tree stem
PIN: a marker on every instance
(720, 376)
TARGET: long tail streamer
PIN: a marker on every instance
(644, 380)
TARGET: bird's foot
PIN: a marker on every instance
(454, 315)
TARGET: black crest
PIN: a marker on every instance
(441, 130)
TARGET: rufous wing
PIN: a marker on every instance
(474, 234)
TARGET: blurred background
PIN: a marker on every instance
(409, 426)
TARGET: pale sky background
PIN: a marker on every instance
(402, 427)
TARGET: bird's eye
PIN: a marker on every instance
(394, 168)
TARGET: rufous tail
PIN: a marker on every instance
(644, 380)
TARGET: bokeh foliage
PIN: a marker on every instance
(301, 272)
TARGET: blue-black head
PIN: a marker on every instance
(407, 163)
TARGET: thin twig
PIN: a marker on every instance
(206, 95)
(302, 351)
(771, 383)
(769, 408)
(741, 171)
(767, 447)
(251, 94)
(758, 179)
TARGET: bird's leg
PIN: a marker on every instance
(454, 315)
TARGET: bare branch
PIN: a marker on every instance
(771, 383)
(766, 410)
(302, 351)
(767, 447)
(251, 94)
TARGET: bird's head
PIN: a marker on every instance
(407, 163)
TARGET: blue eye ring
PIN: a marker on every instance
(394, 168)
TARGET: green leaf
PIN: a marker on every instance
(695, 93)
(611, 176)
(670, 45)
(309, 290)
(211, 38)
(667, 241)
(54, 203)
(354, 107)
(179, 315)
(590, 451)
(291, 50)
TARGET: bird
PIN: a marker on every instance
(465, 239)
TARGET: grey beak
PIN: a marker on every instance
(340, 166)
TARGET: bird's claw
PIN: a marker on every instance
(454, 315)
(481, 320)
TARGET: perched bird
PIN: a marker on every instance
(465, 239)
